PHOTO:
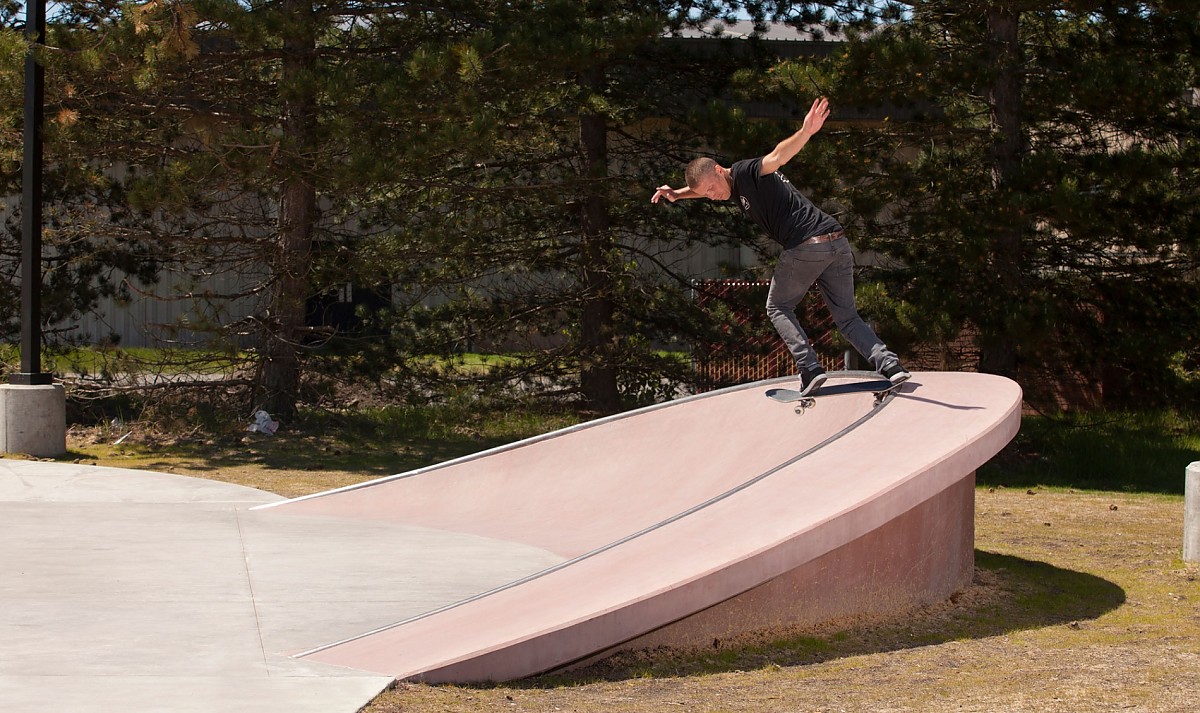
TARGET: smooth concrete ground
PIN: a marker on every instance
(134, 591)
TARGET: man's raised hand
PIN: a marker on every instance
(816, 116)
(664, 192)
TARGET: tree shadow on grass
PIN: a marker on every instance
(373, 443)
(1008, 594)
(1145, 452)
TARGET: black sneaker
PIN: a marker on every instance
(894, 372)
(811, 380)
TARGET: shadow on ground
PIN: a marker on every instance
(371, 444)
(1008, 594)
(1143, 452)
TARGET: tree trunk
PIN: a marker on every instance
(297, 216)
(598, 374)
(998, 352)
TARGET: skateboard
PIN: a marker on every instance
(880, 387)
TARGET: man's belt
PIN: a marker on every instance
(826, 238)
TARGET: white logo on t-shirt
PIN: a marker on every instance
(745, 204)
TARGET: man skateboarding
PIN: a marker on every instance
(815, 248)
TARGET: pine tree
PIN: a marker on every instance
(576, 266)
(247, 144)
(1036, 179)
(80, 248)
(281, 148)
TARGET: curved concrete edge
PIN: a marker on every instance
(798, 594)
(710, 570)
(919, 558)
(602, 485)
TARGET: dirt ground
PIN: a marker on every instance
(1081, 602)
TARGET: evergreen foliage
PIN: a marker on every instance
(552, 250)
(245, 146)
(1054, 216)
(483, 168)
(83, 241)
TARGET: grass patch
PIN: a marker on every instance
(322, 449)
(112, 361)
(1128, 452)
(468, 363)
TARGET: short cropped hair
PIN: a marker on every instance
(698, 169)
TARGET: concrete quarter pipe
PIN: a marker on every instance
(693, 520)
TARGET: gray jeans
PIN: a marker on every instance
(831, 266)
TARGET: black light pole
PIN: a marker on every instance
(31, 205)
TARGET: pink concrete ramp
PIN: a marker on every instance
(691, 521)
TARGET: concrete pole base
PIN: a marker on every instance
(33, 420)
(1191, 514)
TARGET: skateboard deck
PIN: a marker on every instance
(879, 387)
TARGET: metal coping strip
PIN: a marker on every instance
(616, 543)
(554, 434)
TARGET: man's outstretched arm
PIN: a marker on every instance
(673, 194)
(789, 147)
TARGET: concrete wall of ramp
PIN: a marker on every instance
(921, 557)
(694, 520)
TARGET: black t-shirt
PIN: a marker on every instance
(777, 206)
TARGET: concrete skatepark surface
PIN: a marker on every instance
(127, 590)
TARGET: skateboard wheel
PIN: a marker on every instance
(805, 403)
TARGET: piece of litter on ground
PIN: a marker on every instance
(121, 440)
(263, 424)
